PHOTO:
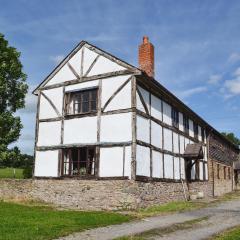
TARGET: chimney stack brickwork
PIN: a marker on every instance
(146, 57)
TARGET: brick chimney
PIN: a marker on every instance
(146, 57)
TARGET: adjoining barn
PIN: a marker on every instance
(100, 118)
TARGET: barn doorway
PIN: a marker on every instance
(78, 161)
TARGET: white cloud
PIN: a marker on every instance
(237, 72)
(56, 59)
(189, 92)
(214, 79)
(234, 57)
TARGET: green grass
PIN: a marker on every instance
(231, 234)
(28, 222)
(159, 232)
(8, 173)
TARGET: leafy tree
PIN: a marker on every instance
(231, 137)
(13, 89)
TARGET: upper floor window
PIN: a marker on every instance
(186, 124)
(81, 102)
(175, 117)
(195, 127)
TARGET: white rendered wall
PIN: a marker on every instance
(182, 144)
(116, 128)
(176, 168)
(49, 133)
(156, 107)
(145, 94)
(46, 110)
(142, 129)
(80, 130)
(88, 59)
(123, 98)
(193, 172)
(201, 170)
(81, 86)
(175, 143)
(167, 113)
(111, 162)
(199, 133)
(168, 166)
(167, 139)
(143, 161)
(191, 132)
(128, 159)
(157, 164)
(46, 164)
(181, 128)
(182, 163)
(156, 134)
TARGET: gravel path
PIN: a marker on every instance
(221, 217)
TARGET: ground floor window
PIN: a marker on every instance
(78, 161)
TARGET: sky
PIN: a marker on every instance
(197, 47)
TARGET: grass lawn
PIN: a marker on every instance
(25, 222)
(8, 173)
(231, 234)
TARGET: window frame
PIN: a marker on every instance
(175, 117)
(75, 98)
(185, 124)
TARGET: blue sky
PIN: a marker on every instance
(197, 47)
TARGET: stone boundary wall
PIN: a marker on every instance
(97, 194)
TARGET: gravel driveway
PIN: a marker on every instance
(221, 217)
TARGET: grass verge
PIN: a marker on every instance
(8, 173)
(21, 222)
(159, 232)
(231, 234)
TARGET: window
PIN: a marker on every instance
(78, 161)
(81, 102)
(218, 171)
(175, 117)
(197, 170)
(229, 173)
(186, 124)
(224, 172)
(195, 127)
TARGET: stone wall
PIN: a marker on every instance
(93, 194)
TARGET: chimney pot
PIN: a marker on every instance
(146, 57)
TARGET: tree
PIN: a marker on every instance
(13, 89)
(231, 137)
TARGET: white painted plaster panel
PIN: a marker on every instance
(80, 130)
(176, 168)
(76, 60)
(181, 128)
(182, 162)
(143, 161)
(143, 129)
(46, 110)
(139, 103)
(175, 143)
(191, 132)
(186, 142)
(128, 159)
(145, 95)
(81, 86)
(182, 144)
(167, 139)
(88, 59)
(104, 65)
(122, 100)
(199, 133)
(156, 134)
(205, 137)
(116, 128)
(111, 162)
(205, 153)
(157, 164)
(156, 107)
(168, 166)
(46, 164)
(49, 133)
(63, 75)
(110, 85)
(201, 170)
(206, 171)
(167, 113)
